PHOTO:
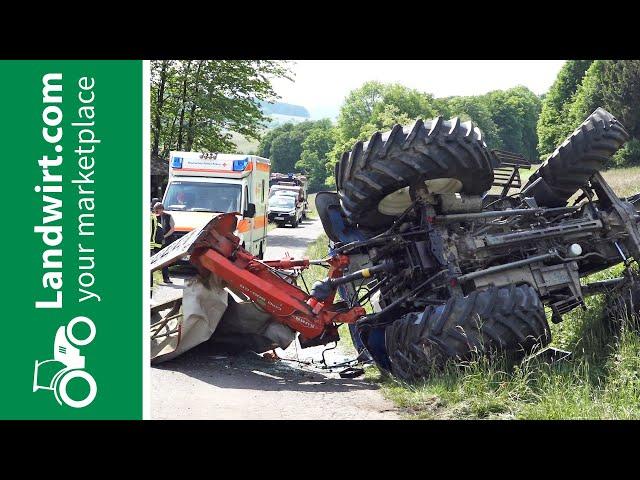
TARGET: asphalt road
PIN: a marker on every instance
(205, 384)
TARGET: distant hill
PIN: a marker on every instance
(286, 109)
(244, 144)
(278, 114)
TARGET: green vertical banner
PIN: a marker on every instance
(72, 135)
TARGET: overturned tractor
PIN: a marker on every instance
(426, 228)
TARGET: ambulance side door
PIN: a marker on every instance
(264, 186)
(248, 233)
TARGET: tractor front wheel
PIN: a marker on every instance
(509, 319)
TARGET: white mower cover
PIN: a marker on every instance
(207, 307)
(203, 305)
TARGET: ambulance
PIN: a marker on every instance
(203, 185)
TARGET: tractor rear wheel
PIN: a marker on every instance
(582, 154)
(501, 319)
(447, 155)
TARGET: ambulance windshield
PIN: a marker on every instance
(203, 197)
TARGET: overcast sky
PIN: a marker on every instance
(321, 85)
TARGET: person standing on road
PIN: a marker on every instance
(163, 227)
(156, 237)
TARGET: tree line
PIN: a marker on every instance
(507, 119)
(197, 104)
(515, 119)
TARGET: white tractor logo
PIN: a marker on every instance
(66, 365)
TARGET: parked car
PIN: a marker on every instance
(298, 183)
(285, 209)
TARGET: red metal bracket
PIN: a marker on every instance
(220, 252)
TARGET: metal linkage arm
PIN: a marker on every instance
(218, 251)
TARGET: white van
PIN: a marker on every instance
(202, 185)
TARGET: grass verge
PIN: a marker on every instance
(600, 381)
(311, 203)
(320, 249)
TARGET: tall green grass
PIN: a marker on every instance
(601, 380)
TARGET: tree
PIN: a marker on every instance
(374, 106)
(377, 107)
(286, 150)
(384, 118)
(621, 92)
(195, 104)
(611, 84)
(476, 110)
(316, 146)
(406, 101)
(588, 96)
(515, 113)
(160, 71)
(303, 146)
(357, 108)
(615, 86)
(621, 96)
(553, 125)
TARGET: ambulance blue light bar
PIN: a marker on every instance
(176, 162)
(240, 165)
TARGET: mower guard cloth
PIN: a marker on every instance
(209, 313)
(203, 304)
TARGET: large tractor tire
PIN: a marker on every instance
(448, 155)
(506, 319)
(574, 162)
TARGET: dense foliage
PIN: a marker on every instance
(507, 118)
(301, 147)
(195, 104)
(611, 84)
(515, 119)
(553, 126)
(315, 148)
